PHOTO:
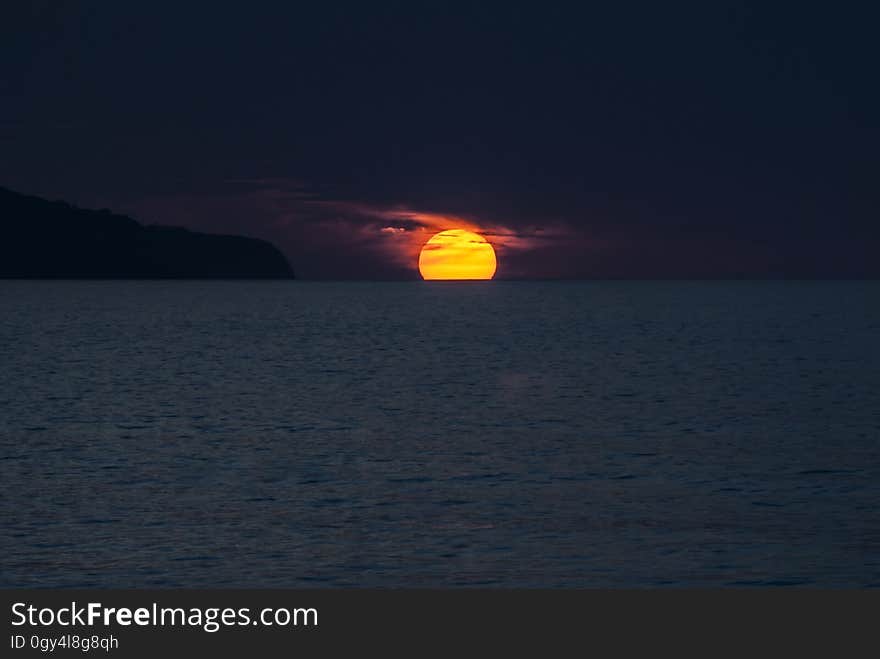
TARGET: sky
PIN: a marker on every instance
(584, 140)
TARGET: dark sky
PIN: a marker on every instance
(614, 139)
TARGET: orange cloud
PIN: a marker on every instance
(401, 233)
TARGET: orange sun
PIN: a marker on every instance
(457, 254)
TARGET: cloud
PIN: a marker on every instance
(401, 232)
(327, 237)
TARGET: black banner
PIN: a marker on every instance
(146, 623)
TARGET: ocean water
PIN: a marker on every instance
(559, 434)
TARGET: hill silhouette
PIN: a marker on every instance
(52, 239)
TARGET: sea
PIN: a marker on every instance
(287, 434)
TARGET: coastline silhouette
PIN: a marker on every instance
(54, 240)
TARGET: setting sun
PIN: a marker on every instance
(457, 254)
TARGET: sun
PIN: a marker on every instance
(457, 254)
